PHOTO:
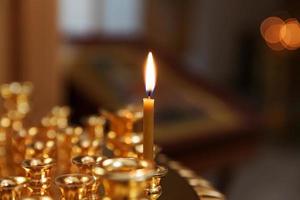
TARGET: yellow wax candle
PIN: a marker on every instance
(148, 128)
(148, 125)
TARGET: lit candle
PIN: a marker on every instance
(148, 126)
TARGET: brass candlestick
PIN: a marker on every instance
(20, 140)
(16, 99)
(35, 150)
(39, 172)
(126, 178)
(40, 149)
(65, 140)
(12, 188)
(154, 190)
(122, 122)
(57, 119)
(74, 186)
(95, 127)
(4, 145)
(86, 146)
(123, 146)
(86, 165)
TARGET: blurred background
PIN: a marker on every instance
(228, 77)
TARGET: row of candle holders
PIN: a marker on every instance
(103, 159)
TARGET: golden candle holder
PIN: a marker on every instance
(57, 119)
(40, 149)
(86, 146)
(35, 151)
(124, 132)
(74, 186)
(122, 122)
(95, 127)
(154, 190)
(65, 140)
(126, 178)
(19, 143)
(39, 172)
(5, 123)
(86, 165)
(12, 188)
(16, 99)
(123, 146)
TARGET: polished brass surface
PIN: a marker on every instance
(154, 189)
(12, 188)
(39, 172)
(87, 164)
(126, 178)
(33, 158)
(74, 186)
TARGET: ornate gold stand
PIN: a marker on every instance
(74, 155)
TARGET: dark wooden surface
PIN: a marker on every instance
(177, 188)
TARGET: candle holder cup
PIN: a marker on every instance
(39, 172)
(154, 190)
(74, 186)
(126, 178)
(86, 165)
(65, 141)
(122, 122)
(12, 188)
(123, 146)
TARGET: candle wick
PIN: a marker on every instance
(149, 93)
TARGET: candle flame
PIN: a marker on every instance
(150, 74)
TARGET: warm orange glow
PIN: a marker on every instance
(271, 28)
(290, 34)
(281, 35)
(276, 46)
(150, 74)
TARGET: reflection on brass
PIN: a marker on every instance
(74, 186)
(16, 102)
(16, 99)
(154, 189)
(87, 165)
(12, 188)
(122, 122)
(86, 146)
(126, 178)
(40, 149)
(95, 127)
(39, 172)
(65, 145)
(123, 146)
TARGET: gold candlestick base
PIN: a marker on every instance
(154, 190)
